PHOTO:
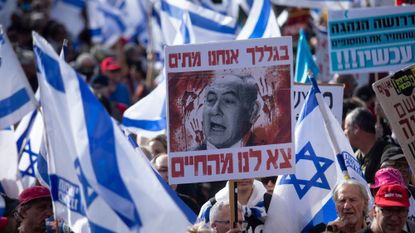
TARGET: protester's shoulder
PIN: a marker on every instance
(205, 209)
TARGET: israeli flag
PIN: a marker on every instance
(16, 95)
(261, 22)
(8, 166)
(207, 25)
(28, 136)
(302, 200)
(147, 117)
(304, 61)
(110, 20)
(224, 7)
(98, 181)
(69, 13)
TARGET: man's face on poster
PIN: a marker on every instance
(226, 113)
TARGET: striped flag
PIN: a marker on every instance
(207, 25)
(16, 95)
(97, 180)
(261, 22)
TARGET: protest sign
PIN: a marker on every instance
(396, 95)
(332, 95)
(229, 110)
(371, 39)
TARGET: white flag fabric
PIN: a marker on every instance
(109, 20)
(147, 117)
(7, 7)
(69, 13)
(207, 25)
(8, 165)
(98, 181)
(302, 200)
(261, 22)
(16, 95)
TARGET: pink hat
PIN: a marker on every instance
(392, 195)
(387, 176)
(109, 64)
(33, 193)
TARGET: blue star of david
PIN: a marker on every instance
(88, 192)
(32, 156)
(318, 180)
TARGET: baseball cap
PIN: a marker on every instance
(392, 195)
(109, 64)
(33, 193)
(392, 154)
(3, 222)
(386, 176)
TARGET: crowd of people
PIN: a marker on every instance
(118, 78)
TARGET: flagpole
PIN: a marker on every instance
(334, 143)
(233, 203)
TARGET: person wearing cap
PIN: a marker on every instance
(393, 157)
(390, 211)
(34, 208)
(119, 92)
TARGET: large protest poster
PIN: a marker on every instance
(332, 95)
(229, 110)
(396, 95)
(366, 40)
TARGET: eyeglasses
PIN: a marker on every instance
(273, 179)
(387, 212)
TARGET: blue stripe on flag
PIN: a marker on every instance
(262, 22)
(325, 215)
(196, 19)
(250, 3)
(156, 15)
(53, 72)
(13, 102)
(95, 32)
(185, 32)
(77, 3)
(19, 141)
(190, 215)
(310, 103)
(104, 156)
(42, 168)
(115, 18)
(209, 24)
(150, 125)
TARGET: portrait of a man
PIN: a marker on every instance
(229, 108)
(229, 111)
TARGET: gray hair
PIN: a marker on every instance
(363, 191)
(200, 227)
(217, 208)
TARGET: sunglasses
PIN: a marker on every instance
(273, 179)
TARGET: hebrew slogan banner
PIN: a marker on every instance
(371, 39)
(229, 110)
(396, 95)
